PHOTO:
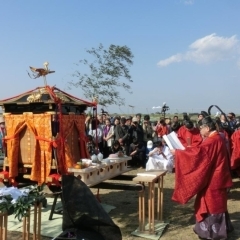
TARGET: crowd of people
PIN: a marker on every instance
(205, 168)
(135, 136)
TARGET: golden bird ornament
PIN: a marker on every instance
(39, 72)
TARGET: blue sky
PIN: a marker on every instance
(186, 52)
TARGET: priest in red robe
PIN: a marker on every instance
(235, 157)
(189, 135)
(204, 171)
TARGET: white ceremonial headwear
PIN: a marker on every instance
(149, 144)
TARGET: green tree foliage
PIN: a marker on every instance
(108, 71)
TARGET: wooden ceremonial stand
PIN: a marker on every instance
(36, 223)
(3, 226)
(26, 226)
(151, 178)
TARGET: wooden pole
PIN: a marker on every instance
(143, 207)
(149, 206)
(152, 203)
(28, 225)
(1, 224)
(140, 210)
(5, 220)
(39, 212)
(24, 229)
(159, 200)
(35, 222)
(161, 216)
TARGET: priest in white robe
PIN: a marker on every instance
(160, 158)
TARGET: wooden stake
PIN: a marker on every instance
(1, 224)
(149, 206)
(39, 221)
(152, 203)
(161, 216)
(159, 200)
(35, 222)
(5, 226)
(24, 228)
(28, 225)
(143, 207)
(140, 210)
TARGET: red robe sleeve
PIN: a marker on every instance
(235, 157)
(192, 136)
(192, 167)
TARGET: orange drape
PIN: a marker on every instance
(40, 125)
(64, 150)
(14, 125)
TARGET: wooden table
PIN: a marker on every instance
(150, 177)
(96, 174)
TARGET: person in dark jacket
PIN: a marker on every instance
(135, 131)
(138, 153)
(175, 124)
(116, 147)
(120, 130)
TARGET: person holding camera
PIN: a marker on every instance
(135, 131)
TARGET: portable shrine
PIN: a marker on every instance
(45, 133)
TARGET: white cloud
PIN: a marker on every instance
(208, 49)
(172, 59)
(189, 2)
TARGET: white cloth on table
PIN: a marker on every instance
(159, 162)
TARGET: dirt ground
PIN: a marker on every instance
(180, 217)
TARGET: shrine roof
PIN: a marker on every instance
(46, 95)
